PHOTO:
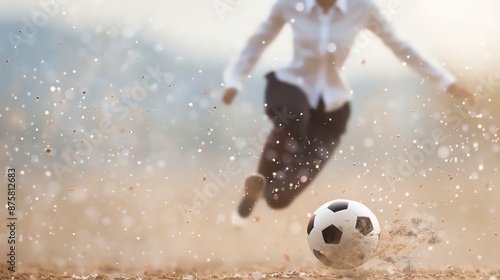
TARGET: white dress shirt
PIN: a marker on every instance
(322, 42)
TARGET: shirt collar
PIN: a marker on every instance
(340, 4)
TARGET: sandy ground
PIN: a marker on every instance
(397, 257)
(270, 274)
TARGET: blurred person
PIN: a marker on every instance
(308, 100)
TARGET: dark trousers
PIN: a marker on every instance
(302, 141)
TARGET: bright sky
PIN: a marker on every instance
(448, 27)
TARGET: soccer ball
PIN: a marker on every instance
(343, 234)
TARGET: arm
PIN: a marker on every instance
(243, 65)
(419, 62)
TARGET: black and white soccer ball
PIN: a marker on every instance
(343, 234)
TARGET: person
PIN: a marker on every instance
(308, 101)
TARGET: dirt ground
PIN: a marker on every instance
(450, 273)
(400, 255)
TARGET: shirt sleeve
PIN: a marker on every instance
(417, 60)
(243, 64)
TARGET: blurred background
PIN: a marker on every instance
(127, 159)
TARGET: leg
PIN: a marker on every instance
(288, 108)
(323, 135)
(324, 132)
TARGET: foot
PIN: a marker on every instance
(254, 184)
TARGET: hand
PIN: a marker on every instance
(460, 92)
(229, 95)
